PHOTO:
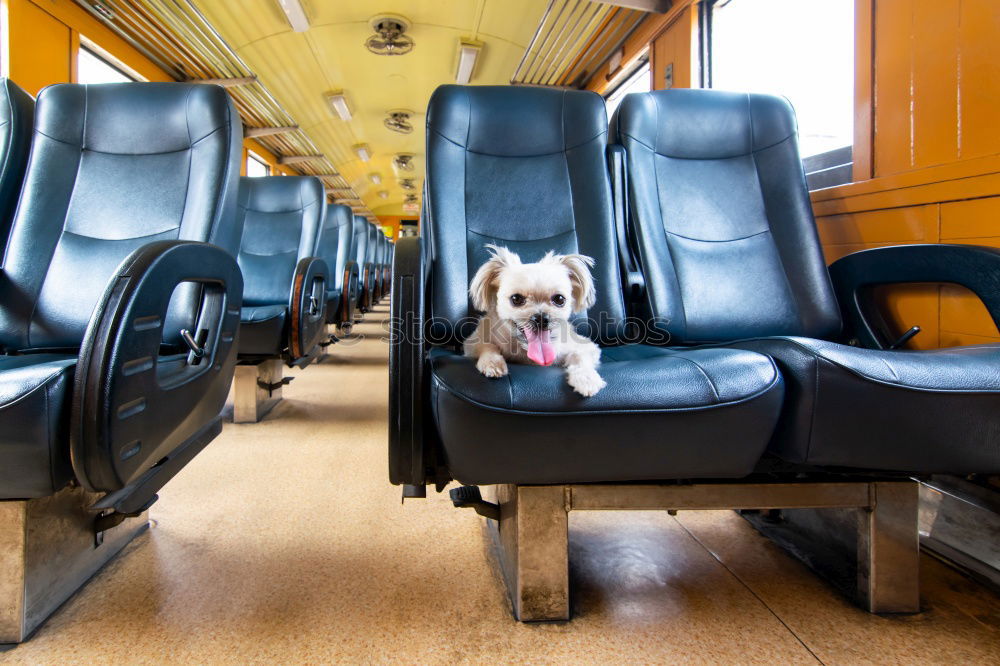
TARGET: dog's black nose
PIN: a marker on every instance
(540, 321)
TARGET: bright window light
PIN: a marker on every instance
(257, 167)
(91, 68)
(801, 49)
(637, 82)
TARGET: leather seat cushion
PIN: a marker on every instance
(35, 391)
(665, 414)
(262, 329)
(934, 411)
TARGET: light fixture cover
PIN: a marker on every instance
(375, 178)
(383, 194)
(363, 151)
(295, 14)
(468, 53)
(338, 102)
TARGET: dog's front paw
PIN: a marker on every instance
(492, 366)
(586, 382)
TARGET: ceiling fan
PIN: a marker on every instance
(407, 184)
(403, 162)
(389, 38)
(399, 121)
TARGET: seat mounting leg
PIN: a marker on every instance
(257, 389)
(533, 548)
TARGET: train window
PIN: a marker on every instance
(636, 82)
(93, 68)
(256, 166)
(802, 49)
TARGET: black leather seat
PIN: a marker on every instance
(127, 186)
(336, 249)
(371, 259)
(17, 112)
(284, 297)
(360, 227)
(380, 256)
(525, 168)
(725, 237)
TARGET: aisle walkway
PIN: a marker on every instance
(284, 543)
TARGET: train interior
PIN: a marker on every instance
(518, 331)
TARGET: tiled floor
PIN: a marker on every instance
(284, 543)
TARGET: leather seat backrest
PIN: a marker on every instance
(381, 246)
(335, 243)
(282, 224)
(17, 115)
(523, 168)
(721, 216)
(360, 242)
(112, 168)
(372, 247)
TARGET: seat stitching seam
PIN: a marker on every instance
(890, 369)
(702, 159)
(554, 152)
(613, 412)
(711, 384)
(721, 240)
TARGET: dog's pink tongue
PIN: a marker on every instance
(540, 350)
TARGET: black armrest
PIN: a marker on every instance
(632, 277)
(407, 357)
(973, 266)
(307, 308)
(349, 295)
(138, 416)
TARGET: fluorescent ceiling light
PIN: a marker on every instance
(339, 104)
(383, 194)
(363, 151)
(468, 52)
(295, 14)
(375, 178)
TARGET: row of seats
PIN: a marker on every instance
(726, 347)
(306, 265)
(139, 269)
(120, 291)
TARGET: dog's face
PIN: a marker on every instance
(536, 299)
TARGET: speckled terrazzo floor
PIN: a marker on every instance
(284, 543)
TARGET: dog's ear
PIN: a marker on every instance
(484, 285)
(579, 266)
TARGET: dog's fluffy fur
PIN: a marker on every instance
(527, 309)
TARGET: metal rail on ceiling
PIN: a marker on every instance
(573, 39)
(181, 41)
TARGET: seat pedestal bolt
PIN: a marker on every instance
(257, 389)
(49, 552)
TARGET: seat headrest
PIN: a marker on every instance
(492, 121)
(338, 215)
(705, 124)
(158, 118)
(281, 194)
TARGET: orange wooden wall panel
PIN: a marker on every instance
(979, 83)
(674, 47)
(934, 83)
(39, 50)
(893, 64)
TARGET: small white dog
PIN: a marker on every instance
(527, 308)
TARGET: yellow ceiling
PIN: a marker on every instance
(299, 68)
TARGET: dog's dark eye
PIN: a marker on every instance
(517, 300)
(558, 300)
